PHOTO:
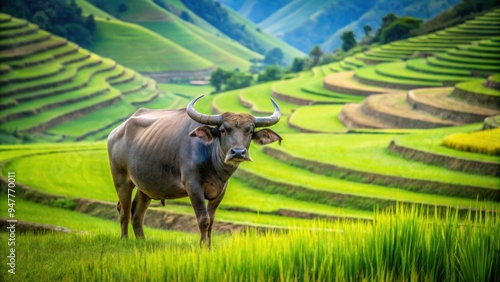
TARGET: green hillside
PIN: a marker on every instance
(143, 50)
(196, 34)
(179, 33)
(53, 90)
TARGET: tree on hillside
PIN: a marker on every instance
(270, 73)
(398, 29)
(238, 80)
(218, 77)
(368, 30)
(61, 17)
(298, 64)
(348, 40)
(274, 57)
(316, 53)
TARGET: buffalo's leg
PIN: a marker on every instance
(124, 187)
(202, 216)
(139, 206)
(212, 207)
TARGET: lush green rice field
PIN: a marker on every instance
(401, 245)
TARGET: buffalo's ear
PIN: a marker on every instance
(207, 134)
(266, 136)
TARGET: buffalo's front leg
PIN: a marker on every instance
(212, 207)
(198, 202)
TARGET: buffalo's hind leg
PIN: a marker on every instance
(139, 206)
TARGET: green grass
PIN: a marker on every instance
(259, 96)
(132, 45)
(191, 91)
(325, 148)
(432, 141)
(399, 70)
(477, 87)
(46, 116)
(229, 102)
(292, 89)
(370, 74)
(349, 193)
(316, 87)
(93, 121)
(462, 65)
(320, 118)
(421, 65)
(203, 45)
(402, 245)
(93, 169)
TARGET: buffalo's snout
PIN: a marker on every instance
(237, 155)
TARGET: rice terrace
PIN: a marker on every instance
(388, 167)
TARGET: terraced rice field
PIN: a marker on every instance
(53, 89)
(329, 165)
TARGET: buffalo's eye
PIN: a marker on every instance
(222, 130)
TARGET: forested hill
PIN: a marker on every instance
(306, 23)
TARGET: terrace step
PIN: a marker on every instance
(449, 161)
(9, 43)
(421, 65)
(344, 82)
(45, 56)
(437, 101)
(289, 91)
(352, 116)
(28, 50)
(411, 184)
(55, 116)
(12, 24)
(399, 70)
(17, 28)
(393, 109)
(476, 69)
(477, 93)
(40, 105)
(370, 76)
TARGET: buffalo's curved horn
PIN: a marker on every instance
(270, 120)
(202, 118)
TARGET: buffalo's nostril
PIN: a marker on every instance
(239, 152)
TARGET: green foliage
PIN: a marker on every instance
(398, 29)
(348, 41)
(316, 53)
(463, 11)
(63, 203)
(270, 73)
(219, 77)
(298, 65)
(274, 57)
(63, 18)
(231, 80)
(238, 80)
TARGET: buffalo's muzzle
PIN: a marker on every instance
(237, 155)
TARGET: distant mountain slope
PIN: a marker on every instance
(143, 50)
(423, 9)
(306, 23)
(173, 20)
(256, 10)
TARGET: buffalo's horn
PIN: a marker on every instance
(270, 120)
(202, 118)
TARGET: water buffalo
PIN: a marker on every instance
(170, 154)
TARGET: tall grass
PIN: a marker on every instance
(403, 244)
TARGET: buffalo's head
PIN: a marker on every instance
(234, 131)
